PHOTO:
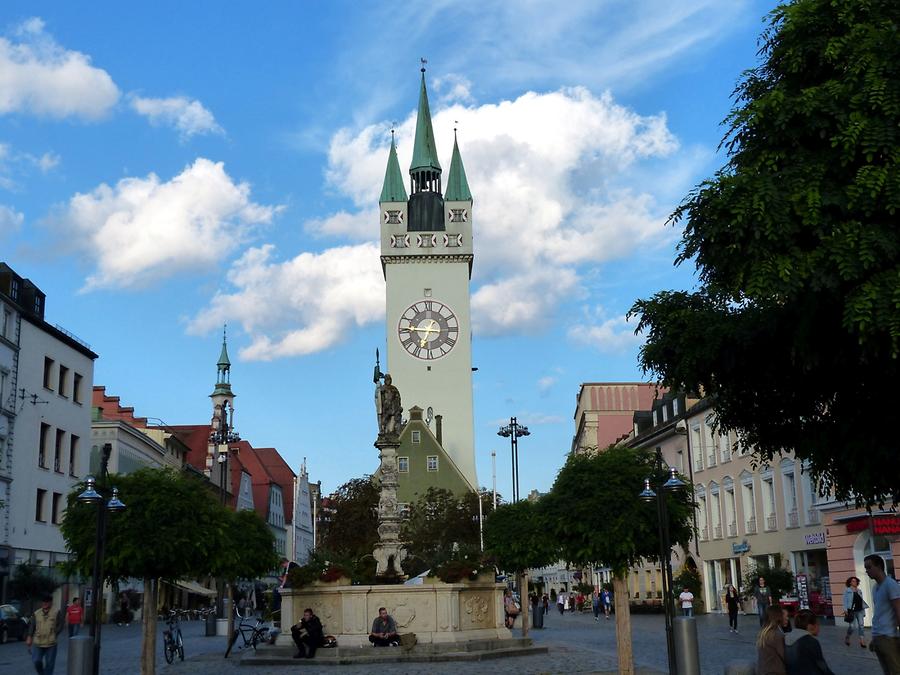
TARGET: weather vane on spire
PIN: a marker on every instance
(424, 61)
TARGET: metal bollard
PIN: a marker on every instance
(687, 655)
(81, 655)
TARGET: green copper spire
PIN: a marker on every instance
(223, 357)
(424, 150)
(457, 185)
(393, 190)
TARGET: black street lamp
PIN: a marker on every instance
(92, 495)
(673, 484)
(514, 431)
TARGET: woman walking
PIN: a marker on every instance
(770, 644)
(854, 611)
(732, 602)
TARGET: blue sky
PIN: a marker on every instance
(168, 166)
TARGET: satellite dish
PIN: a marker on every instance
(429, 415)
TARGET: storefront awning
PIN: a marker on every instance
(194, 587)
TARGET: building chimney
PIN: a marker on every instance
(439, 429)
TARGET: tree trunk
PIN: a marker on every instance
(525, 600)
(623, 625)
(148, 643)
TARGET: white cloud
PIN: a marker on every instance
(40, 77)
(13, 164)
(521, 303)
(322, 299)
(143, 229)
(187, 116)
(46, 162)
(545, 384)
(10, 220)
(453, 88)
(615, 335)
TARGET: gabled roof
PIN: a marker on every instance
(260, 479)
(282, 474)
(111, 409)
(457, 185)
(424, 149)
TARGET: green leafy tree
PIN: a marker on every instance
(594, 514)
(441, 525)
(794, 329)
(352, 528)
(515, 536)
(29, 582)
(779, 580)
(172, 528)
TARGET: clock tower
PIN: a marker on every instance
(426, 256)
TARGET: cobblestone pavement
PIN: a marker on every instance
(577, 644)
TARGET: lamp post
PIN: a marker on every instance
(514, 431)
(92, 495)
(223, 435)
(673, 484)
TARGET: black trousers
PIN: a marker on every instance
(306, 645)
(732, 618)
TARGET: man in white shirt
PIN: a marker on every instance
(687, 602)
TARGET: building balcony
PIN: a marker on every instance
(813, 517)
(732, 529)
(751, 526)
(717, 532)
(704, 534)
(793, 519)
(771, 523)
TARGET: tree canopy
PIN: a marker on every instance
(516, 536)
(794, 329)
(172, 528)
(594, 515)
(351, 529)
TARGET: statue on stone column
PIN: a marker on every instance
(388, 408)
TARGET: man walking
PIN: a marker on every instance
(43, 630)
(763, 600)
(886, 619)
(606, 601)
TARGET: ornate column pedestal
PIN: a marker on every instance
(389, 553)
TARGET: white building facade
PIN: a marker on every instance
(50, 449)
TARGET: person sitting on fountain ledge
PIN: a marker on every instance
(384, 630)
(308, 635)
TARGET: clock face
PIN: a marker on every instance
(428, 330)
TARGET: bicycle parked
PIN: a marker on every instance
(251, 635)
(173, 642)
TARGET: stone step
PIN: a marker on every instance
(474, 650)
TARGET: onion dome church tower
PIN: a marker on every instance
(426, 256)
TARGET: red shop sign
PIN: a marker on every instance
(881, 525)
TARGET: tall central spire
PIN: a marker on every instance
(424, 150)
(426, 204)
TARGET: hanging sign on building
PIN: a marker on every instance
(803, 591)
(814, 538)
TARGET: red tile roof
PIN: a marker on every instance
(110, 409)
(282, 474)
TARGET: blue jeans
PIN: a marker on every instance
(687, 611)
(44, 658)
(857, 619)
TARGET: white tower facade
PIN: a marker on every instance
(426, 255)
